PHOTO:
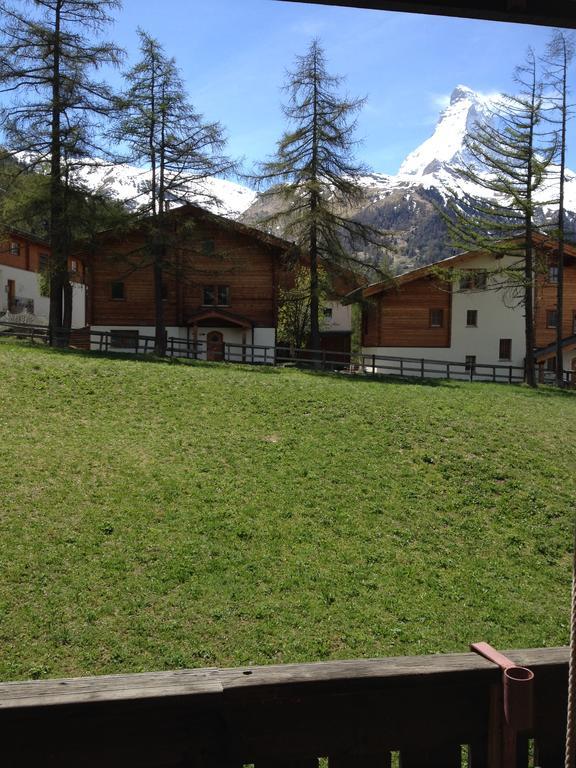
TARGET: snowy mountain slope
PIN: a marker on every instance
(406, 203)
(130, 184)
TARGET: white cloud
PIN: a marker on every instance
(440, 100)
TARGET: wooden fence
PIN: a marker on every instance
(375, 365)
(442, 711)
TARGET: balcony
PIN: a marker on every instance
(437, 711)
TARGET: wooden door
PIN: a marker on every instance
(215, 346)
(11, 295)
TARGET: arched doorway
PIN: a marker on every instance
(215, 346)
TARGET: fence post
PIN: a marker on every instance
(510, 375)
(373, 365)
(448, 371)
(422, 368)
(494, 373)
(265, 356)
(471, 371)
(401, 367)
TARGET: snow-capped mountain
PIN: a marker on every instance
(445, 147)
(406, 204)
(131, 184)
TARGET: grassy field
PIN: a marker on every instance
(157, 515)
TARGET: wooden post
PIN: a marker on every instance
(448, 371)
(195, 340)
(373, 365)
(422, 368)
(244, 346)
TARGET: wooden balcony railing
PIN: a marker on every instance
(415, 712)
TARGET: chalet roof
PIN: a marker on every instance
(189, 210)
(15, 232)
(539, 239)
(213, 313)
(550, 349)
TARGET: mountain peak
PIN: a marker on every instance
(461, 92)
(447, 144)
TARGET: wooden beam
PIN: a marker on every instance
(550, 13)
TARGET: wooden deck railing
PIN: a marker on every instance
(416, 712)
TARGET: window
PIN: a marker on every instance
(327, 312)
(117, 291)
(553, 274)
(474, 280)
(124, 339)
(436, 318)
(472, 318)
(208, 247)
(73, 265)
(216, 295)
(551, 364)
(14, 249)
(505, 352)
(43, 262)
(551, 318)
(470, 361)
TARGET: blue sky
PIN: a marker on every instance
(234, 54)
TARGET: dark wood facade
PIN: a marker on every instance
(218, 273)
(414, 314)
(21, 250)
(406, 314)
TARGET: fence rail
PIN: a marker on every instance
(326, 360)
(442, 711)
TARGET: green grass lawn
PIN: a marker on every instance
(157, 515)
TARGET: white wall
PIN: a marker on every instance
(28, 287)
(341, 319)
(265, 337)
(499, 317)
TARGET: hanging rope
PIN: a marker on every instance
(571, 720)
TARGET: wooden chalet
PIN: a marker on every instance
(221, 285)
(24, 258)
(470, 318)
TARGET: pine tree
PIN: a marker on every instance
(559, 54)
(165, 134)
(509, 155)
(314, 175)
(46, 60)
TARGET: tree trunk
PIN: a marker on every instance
(531, 378)
(561, 234)
(58, 265)
(160, 332)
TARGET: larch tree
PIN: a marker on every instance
(48, 55)
(559, 55)
(164, 133)
(508, 156)
(315, 178)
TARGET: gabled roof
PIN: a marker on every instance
(213, 313)
(189, 210)
(15, 232)
(539, 239)
(550, 349)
